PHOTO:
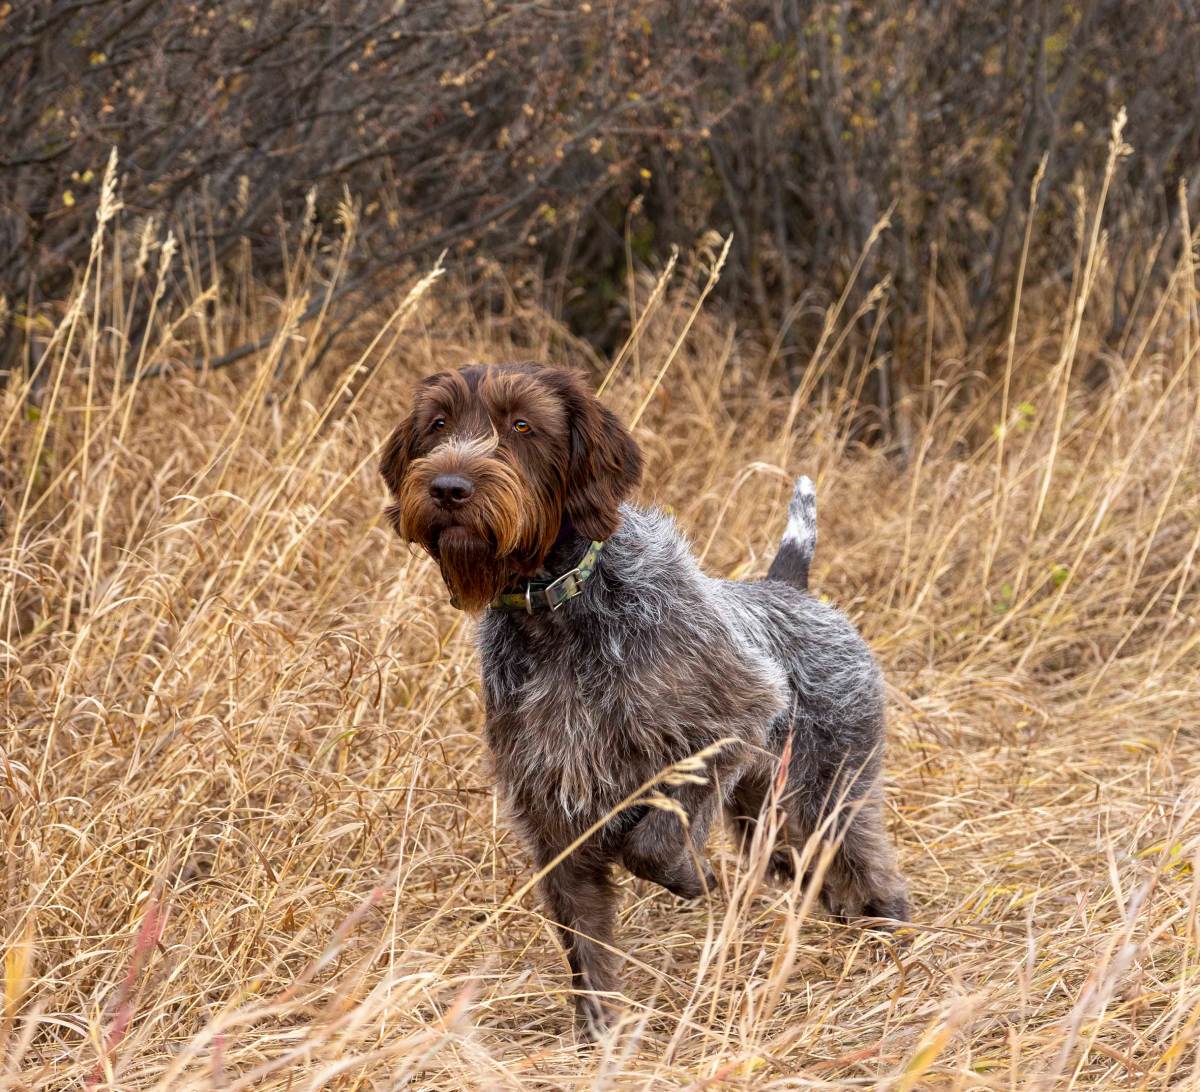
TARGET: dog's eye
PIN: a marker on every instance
(438, 424)
(520, 425)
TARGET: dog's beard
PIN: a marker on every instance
(503, 533)
(471, 568)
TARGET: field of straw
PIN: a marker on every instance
(250, 838)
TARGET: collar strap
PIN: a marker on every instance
(551, 594)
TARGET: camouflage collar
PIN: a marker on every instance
(551, 593)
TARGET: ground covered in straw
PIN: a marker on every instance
(251, 841)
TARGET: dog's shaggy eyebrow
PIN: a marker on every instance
(448, 394)
(505, 392)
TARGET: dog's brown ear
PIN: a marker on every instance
(400, 449)
(605, 464)
(398, 453)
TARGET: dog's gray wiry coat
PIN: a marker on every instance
(654, 661)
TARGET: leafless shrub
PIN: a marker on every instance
(572, 139)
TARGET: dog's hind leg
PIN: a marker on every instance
(746, 810)
(863, 879)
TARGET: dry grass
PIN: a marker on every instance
(251, 841)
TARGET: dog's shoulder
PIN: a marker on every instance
(649, 551)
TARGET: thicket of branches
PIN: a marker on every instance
(574, 137)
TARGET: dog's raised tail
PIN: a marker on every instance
(799, 538)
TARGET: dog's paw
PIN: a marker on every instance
(689, 884)
(884, 913)
(595, 1017)
(677, 873)
(893, 909)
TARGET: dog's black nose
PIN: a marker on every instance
(450, 490)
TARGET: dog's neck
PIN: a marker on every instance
(567, 566)
(569, 546)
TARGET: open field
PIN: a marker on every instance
(251, 841)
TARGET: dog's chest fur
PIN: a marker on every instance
(641, 670)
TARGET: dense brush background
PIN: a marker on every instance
(942, 258)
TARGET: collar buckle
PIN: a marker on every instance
(565, 587)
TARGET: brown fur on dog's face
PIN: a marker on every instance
(537, 447)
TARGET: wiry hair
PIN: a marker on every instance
(651, 664)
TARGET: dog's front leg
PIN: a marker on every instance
(662, 850)
(581, 900)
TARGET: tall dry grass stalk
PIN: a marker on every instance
(250, 838)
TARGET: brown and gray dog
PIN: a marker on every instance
(608, 656)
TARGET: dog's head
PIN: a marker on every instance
(492, 460)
